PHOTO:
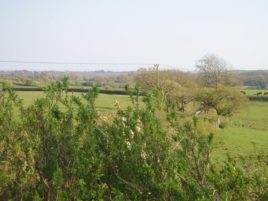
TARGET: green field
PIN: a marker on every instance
(251, 92)
(104, 101)
(246, 132)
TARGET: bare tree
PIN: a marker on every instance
(212, 70)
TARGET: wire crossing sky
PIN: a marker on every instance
(173, 32)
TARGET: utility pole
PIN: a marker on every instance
(156, 66)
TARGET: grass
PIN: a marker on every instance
(251, 92)
(29, 97)
(104, 101)
(255, 116)
(246, 132)
(240, 141)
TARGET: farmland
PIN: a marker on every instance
(133, 101)
(137, 144)
(90, 133)
(252, 92)
(104, 102)
(246, 132)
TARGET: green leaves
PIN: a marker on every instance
(59, 149)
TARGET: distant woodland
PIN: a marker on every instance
(255, 79)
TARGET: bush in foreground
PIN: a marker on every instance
(60, 148)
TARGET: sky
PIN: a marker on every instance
(173, 33)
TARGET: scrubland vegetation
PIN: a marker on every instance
(176, 136)
(74, 153)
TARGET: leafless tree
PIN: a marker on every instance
(212, 70)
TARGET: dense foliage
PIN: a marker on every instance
(61, 148)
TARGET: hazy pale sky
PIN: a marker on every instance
(175, 33)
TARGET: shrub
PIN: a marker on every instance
(59, 149)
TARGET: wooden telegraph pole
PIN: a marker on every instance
(156, 66)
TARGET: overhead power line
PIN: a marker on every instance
(72, 63)
(165, 66)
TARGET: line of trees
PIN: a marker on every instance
(212, 71)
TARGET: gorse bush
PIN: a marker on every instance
(60, 148)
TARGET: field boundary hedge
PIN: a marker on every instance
(118, 92)
(115, 92)
(258, 98)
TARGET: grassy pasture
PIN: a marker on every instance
(252, 92)
(240, 141)
(246, 132)
(104, 101)
(254, 116)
